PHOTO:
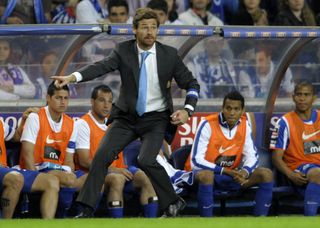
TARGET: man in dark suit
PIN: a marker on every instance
(144, 109)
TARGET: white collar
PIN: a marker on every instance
(151, 50)
(94, 119)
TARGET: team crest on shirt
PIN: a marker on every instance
(51, 153)
(311, 147)
(225, 161)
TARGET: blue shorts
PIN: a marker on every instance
(224, 182)
(28, 175)
(305, 168)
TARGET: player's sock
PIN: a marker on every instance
(115, 209)
(151, 209)
(205, 200)
(263, 199)
(311, 199)
(65, 201)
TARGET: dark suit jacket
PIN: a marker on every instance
(125, 59)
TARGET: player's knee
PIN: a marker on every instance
(140, 179)
(14, 180)
(314, 176)
(205, 177)
(115, 182)
(265, 175)
(70, 180)
(52, 183)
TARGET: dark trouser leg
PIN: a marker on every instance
(118, 135)
(152, 139)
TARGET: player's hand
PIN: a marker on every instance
(240, 176)
(240, 179)
(61, 81)
(298, 178)
(179, 117)
(26, 113)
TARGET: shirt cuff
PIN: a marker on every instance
(247, 170)
(78, 76)
(189, 107)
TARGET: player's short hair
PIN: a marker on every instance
(103, 88)
(235, 96)
(299, 85)
(52, 89)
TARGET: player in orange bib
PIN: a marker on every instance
(13, 181)
(48, 144)
(224, 157)
(296, 146)
(91, 128)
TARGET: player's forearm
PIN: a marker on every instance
(29, 162)
(85, 164)
(69, 161)
(281, 165)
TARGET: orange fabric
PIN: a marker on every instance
(96, 134)
(220, 146)
(3, 151)
(48, 140)
(295, 156)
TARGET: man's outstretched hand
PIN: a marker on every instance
(61, 81)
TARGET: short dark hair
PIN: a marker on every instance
(208, 6)
(117, 3)
(52, 88)
(299, 85)
(144, 13)
(235, 96)
(103, 88)
(158, 5)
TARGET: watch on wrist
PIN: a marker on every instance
(189, 111)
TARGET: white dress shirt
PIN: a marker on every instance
(155, 100)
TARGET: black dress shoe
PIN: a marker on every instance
(174, 209)
(85, 212)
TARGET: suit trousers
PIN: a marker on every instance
(125, 128)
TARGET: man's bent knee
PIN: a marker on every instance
(205, 177)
